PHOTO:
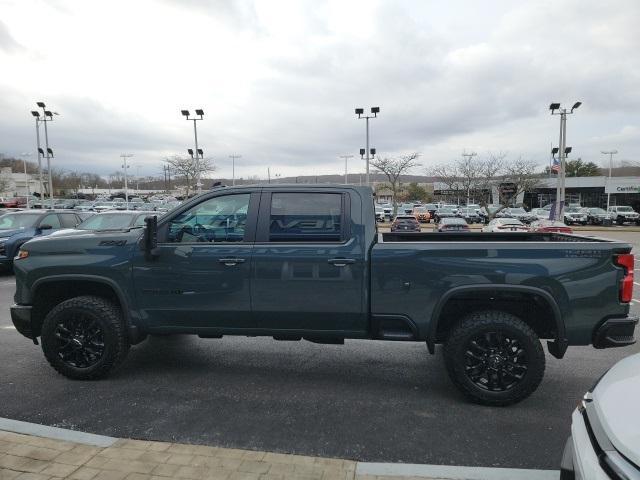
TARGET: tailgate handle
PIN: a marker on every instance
(341, 262)
(230, 262)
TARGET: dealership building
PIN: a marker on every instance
(588, 191)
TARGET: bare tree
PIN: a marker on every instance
(5, 184)
(448, 174)
(521, 176)
(188, 169)
(393, 168)
(509, 178)
(490, 169)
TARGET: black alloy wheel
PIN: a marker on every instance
(84, 337)
(495, 361)
(494, 358)
(79, 340)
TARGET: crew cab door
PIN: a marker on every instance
(308, 269)
(201, 278)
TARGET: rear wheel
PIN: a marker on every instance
(84, 337)
(494, 358)
(620, 221)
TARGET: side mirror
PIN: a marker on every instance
(151, 237)
(45, 227)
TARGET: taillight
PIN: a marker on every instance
(626, 286)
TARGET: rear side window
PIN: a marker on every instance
(68, 220)
(305, 217)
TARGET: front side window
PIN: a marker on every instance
(219, 219)
(51, 219)
(305, 217)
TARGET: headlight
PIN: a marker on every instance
(21, 254)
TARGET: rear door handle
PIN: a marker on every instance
(341, 262)
(230, 262)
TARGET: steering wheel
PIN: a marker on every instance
(198, 229)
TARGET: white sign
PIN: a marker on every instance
(623, 185)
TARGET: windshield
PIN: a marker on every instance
(517, 211)
(18, 220)
(420, 209)
(625, 209)
(598, 211)
(446, 210)
(106, 221)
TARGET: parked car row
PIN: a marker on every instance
(18, 227)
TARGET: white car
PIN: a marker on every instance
(540, 213)
(505, 225)
(605, 428)
(622, 214)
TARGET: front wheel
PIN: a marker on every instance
(84, 337)
(494, 358)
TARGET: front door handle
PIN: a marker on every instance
(230, 262)
(341, 262)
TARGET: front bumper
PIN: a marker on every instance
(21, 318)
(567, 469)
(615, 332)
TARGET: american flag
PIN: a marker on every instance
(556, 165)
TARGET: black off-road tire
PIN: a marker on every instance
(102, 313)
(620, 220)
(458, 345)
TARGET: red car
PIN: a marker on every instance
(15, 202)
(550, 226)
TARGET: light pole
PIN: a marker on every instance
(124, 157)
(468, 157)
(233, 167)
(562, 144)
(137, 179)
(370, 154)
(360, 112)
(346, 178)
(26, 178)
(611, 153)
(48, 117)
(36, 114)
(198, 156)
(200, 113)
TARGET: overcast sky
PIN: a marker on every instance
(279, 80)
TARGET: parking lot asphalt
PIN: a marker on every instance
(365, 400)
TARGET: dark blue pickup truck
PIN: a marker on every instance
(307, 262)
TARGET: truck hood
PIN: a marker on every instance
(72, 232)
(81, 241)
(616, 403)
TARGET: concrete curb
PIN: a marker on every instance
(56, 433)
(446, 472)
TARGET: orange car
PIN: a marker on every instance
(422, 214)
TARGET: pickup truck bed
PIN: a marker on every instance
(307, 262)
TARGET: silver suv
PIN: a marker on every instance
(624, 214)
